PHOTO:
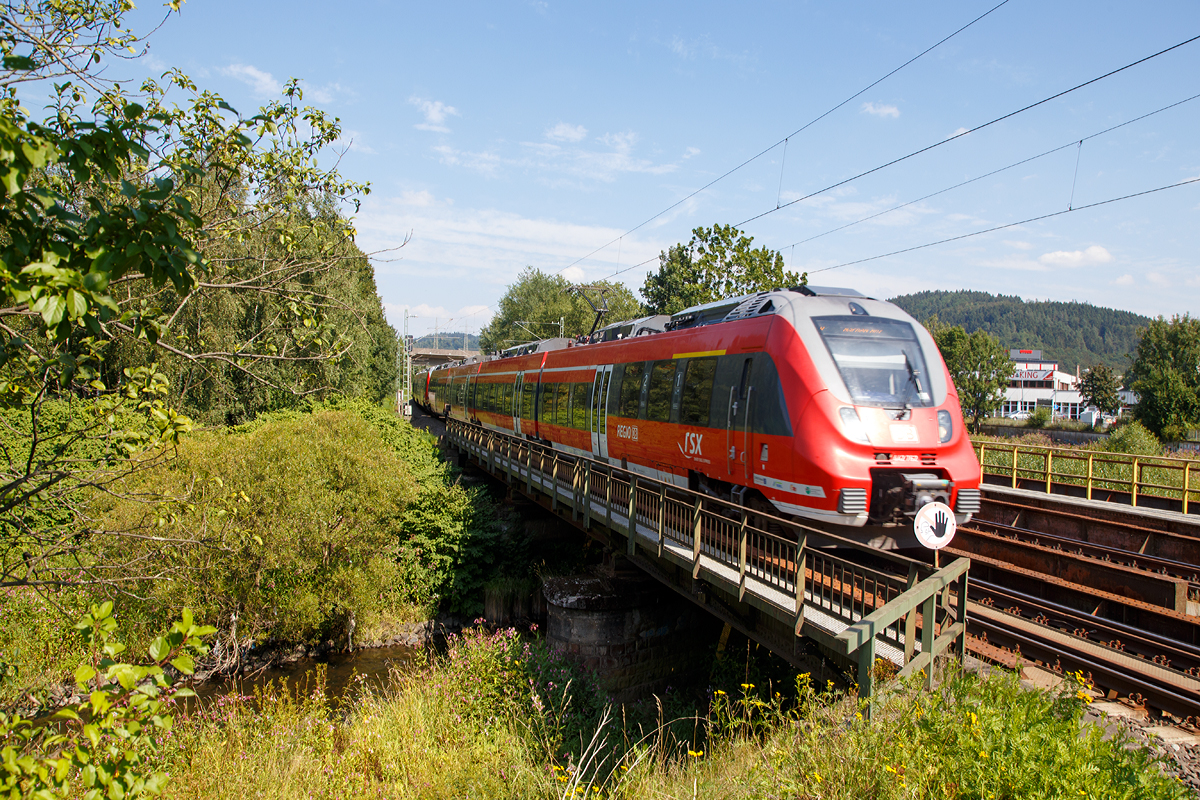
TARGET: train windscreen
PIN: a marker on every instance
(880, 360)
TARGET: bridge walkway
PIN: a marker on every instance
(775, 580)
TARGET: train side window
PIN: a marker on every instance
(744, 383)
(579, 395)
(562, 414)
(631, 390)
(697, 391)
(658, 398)
(546, 403)
(604, 403)
(527, 400)
(770, 415)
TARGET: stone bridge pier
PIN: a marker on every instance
(637, 636)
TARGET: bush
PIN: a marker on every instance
(289, 526)
(301, 525)
(1040, 418)
(1135, 439)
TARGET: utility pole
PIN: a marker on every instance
(407, 361)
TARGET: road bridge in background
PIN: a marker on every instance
(775, 586)
(429, 357)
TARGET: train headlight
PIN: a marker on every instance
(945, 426)
(853, 427)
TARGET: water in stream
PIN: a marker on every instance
(346, 674)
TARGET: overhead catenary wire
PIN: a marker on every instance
(784, 140)
(1009, 225)
(926, 149)
(975, 233)
(961, 134)
(977, 178)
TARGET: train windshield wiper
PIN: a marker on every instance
(914, 380)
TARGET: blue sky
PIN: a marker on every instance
(505, 134)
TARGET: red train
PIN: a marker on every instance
(813, 403)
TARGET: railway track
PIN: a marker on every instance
(1122, 607)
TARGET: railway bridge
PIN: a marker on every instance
(774, 586)
(1069, 571)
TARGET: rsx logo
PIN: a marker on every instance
(691, 444)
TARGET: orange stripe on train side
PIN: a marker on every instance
(700, 354)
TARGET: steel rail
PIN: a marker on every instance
(1023, 637)
(1161, 650)
(1097, 552)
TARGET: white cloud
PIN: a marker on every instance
(1124, 280)
(1158, 279)
(1012, 262)
(424, 318)
(703, 47)
(880, 110)
(562, 132)
(484, 163)
(353, 140)
(481, 250)
(327, 93)
(1077, 258)
(621, 142)
(562, 162)
(435, 112)
(263, 83)
(691, 152)
(153, 62)
(958, 132)
(1018, 245)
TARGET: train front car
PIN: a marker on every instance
(878, 427)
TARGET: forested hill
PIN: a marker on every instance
(1069, 333)
(448, 341)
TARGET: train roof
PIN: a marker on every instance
(750, 305)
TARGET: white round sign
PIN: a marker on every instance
(935, 525)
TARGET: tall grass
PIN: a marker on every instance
(500, 717)
(1156, 475)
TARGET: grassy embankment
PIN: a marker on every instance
(496, 717)
(299, 528)
(1113, 462)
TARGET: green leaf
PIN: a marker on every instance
(159, 649)
(77, 304)
(84, 674)
(184, 664)
(52, 308)
(19, 62)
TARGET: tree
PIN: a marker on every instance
(532, 307)
(1166, 376)
(978, 365)
(1099, 386)
(124, 219)
(717, 263)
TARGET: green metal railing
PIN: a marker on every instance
(1096, 471)
(906, 612)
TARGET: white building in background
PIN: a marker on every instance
(1039, 382)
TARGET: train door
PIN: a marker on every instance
(599, 420)
(516, 405)
(738, 436)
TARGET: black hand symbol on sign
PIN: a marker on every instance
(941, 520)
